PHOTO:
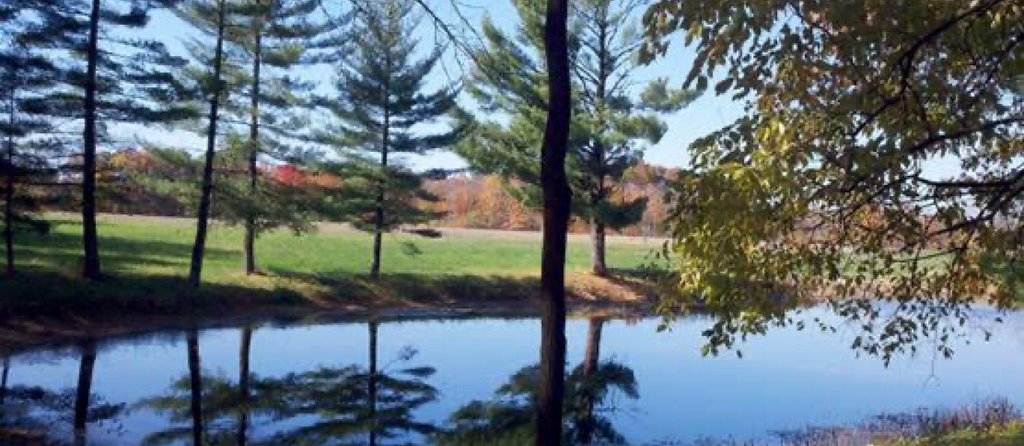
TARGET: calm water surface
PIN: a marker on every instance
(309, 384)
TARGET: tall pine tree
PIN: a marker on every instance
(210, 17)
(611, 126)
(28, 80)
(115, 78)
(274, 37)
(381, 96)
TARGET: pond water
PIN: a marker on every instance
(311, 384)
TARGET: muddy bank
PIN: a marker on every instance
(395, 299)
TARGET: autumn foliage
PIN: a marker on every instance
(483, 202)
(465, 200)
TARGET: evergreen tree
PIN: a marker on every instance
(273, 37)
(27, 81)
(611, 126)
(211, 18)
(380, 97)
(118, 78)
(108, 77)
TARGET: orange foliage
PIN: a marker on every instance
(482, 202)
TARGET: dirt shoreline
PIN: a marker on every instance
(588, 296)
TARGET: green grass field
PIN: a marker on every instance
(149, 257)
(163, 247)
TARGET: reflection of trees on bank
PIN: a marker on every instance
(84, 390)
(507, 419)
(3, 384)
(212, 410)
(355, 405)
(36, 407)
(347, 405)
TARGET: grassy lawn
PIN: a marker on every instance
(150, 257)
(155, 247)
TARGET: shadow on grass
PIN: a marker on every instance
(416, 290)
(62, 251)
(32, 294)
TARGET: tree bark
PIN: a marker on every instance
(84, 389)
(372, 384)
(196, 269)
(557, 202)
(249, 245)
(91, 266)
(196, 386)
(598, 265)
(244, 350)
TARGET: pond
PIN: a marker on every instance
(324, 383)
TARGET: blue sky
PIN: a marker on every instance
(705, 115)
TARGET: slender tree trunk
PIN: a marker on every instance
(598, 266)
(557, 202)
(9, 202)
(84, 390)
(242, 436)
(378, 232)
(372, 383)
(591, 361)
(196, 383)
(592, 356)
(3, 384)
(249, 246)
(196, 269)
(91, 267)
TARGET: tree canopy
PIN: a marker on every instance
(880, 155)
(614, 121)
(381, 94)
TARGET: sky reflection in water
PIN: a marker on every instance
(787, 379)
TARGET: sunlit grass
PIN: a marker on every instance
(146, 261)
(164, 248)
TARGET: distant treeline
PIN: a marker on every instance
(142, 182)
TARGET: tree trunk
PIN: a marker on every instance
(196, 385)
(378, 232)
(9, 202)
(196, 269)
(3, 385)
(249, 245)
(591, 361)
(84, 390)
(557, 202)
(598, 266)
(242, 436)
(91, 266)
(592, 357)
(372, 384)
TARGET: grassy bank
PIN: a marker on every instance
(1011, 434)
(147, 259)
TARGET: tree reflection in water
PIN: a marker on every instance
(214, 410)
(507, 419)
(40, 409)
(348, 405)
(360, 406)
